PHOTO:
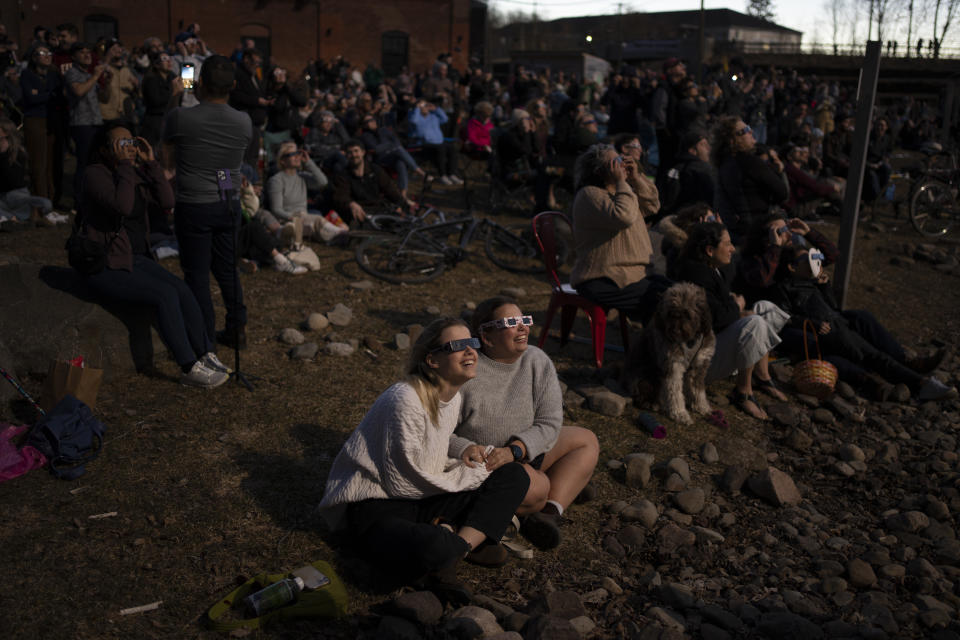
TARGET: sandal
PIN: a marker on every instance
(770, 388)
(510, 542)
(488, 554)
(739, 400)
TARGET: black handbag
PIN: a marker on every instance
(86, 255)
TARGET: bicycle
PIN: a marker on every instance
(415, 251)
(933, 197)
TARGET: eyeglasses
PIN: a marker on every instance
(505, 323)
(633, 145)
(746, 129)
(43, 54)
(455, 346)
(588, 122)
(290, 155)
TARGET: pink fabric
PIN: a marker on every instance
(14, 463)
(479, 132)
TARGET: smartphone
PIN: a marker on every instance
(311, 576)
(187, 72)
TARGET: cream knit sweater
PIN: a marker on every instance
(609, 233)
(398, 452)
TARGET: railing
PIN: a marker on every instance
(828, 49)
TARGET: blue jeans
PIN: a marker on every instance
(179, 319)
(206, 234)
(400, 161)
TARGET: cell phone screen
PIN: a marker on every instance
(187, 75)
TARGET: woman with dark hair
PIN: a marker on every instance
(748, 183)
(610, 236)
(414, 509)
(744, 336)
(16, 201)
(162, 89)
(39, 83)
(515, 406)
(122, 180)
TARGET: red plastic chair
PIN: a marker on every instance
(565, 297)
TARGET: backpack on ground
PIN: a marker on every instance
(69, 437)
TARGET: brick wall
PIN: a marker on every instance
(352, 28)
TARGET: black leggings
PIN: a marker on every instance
(398, 535)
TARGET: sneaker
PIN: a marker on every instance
(455, 179)
(542, 529)
(283, 264)
(201, 376)
(211, 361)
(446, 180)
(933, 389)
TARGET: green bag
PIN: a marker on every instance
(329, 601)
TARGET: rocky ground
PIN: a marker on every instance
(836, 519)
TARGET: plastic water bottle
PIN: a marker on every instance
(273, 596)
(652, 426)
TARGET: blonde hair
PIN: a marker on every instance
(420, 375)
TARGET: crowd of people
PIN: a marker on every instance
(717, 181)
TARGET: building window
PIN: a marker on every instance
(99, 26)
(395, 46)
(260, 34)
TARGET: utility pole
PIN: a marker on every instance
(909, 26)
(619, 35)
(870, 23)
(698, 69)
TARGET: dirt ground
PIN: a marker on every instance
(214, 486)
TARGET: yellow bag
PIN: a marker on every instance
(329, 601)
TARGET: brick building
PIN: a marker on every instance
(387, 32)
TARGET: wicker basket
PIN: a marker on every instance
(815, 378)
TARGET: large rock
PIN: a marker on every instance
(420, 606)
(775, 486)
(607, 403)
(48, 312)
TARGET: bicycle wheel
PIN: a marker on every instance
(513, 248)
(409, 259)
(933, 208)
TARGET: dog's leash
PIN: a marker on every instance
(23, 392)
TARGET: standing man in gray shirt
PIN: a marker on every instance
(82, 96)
(198, 142)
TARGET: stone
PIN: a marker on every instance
(822, 416)
(483, 619)
(517, 293)
(710, 632)
(572, 399)
(850, 452)
(612, 546)
(583, 625)
(937, 509)
(721, 617)
(681, 518)
(362, 285)
(305, 351)
(691, 501)
(401, 341)
(900, 393)
(680, 467)
(707, 536)
(414, 331)
(861, 574)
(675, 483)
(607, 403)
(783, 414)
(734, 478)
(923, 568)
(909, 521)
(638, 473)
(340, 316)
(563, 604)
(844, 469)
(432, 310)
(880, 615)
(317, 322)
(677, 595)
(833, 584)
(666, 618)
(799, 440)
(845, 391)
(642, 511)
(708, 453)
(339, 349)
(419, 606)
(788, 626)
(394, 628)
(597, 596)
(500, 610)
(893, 571)
(776, 487)
(291, 336)
(547, 627)
(670, 538)
(632, 538)
(611, 585)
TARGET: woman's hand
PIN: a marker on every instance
(631, 168)
(617, 171)
(824, 328)
(499, 457)
(474, 455)
(144, 150)
(123, 150)
(798, 226)
(739, 299)
(176, 85)
(777, 238)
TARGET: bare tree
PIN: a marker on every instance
(760, 9)
(949, 8)
(835, 10)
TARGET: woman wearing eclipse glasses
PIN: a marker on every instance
(411, 508)
(513, 412)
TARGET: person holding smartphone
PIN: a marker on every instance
(85, 117)
(610, 236)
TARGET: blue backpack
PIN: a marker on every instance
(69, 436)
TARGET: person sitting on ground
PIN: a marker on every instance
(478, 143)
(744, 336)
(804, 291)
(804, 186)
(258, 243)
(17, 204)
(695, 180)
(425, 129)
(674, 228)
(388, 151)
(515, 405)
(412, 508)
(325, 140)
(287, 194)
(364, 187)
(119, 185)
(610, 236)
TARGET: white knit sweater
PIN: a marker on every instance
(398, 452)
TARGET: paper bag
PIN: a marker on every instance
(83, 383)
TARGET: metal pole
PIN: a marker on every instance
(698, 69)
(866, 93)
